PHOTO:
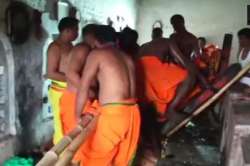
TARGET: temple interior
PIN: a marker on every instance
(217, 129)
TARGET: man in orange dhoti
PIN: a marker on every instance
(160, 80)
(114, 140)
(78, 57)
(164, 78)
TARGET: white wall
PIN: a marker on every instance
(97, 10)
(208, 18)
(100, 10)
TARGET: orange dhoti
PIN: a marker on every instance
(68, 116)
(157, 82)
(114, 140)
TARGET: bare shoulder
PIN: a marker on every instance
(173, 36)
(166, 40)
(129, 61)
(82, 46)
(80, 49)
(96, 54)
(54, 46)
(162, 42)
(144, 45)
(143, 48)
(79, 52)
(191, 36)
(104, 52)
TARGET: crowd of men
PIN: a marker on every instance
(110, 76)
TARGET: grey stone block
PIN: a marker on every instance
(236, 128)
(7, 148)
(246, 149)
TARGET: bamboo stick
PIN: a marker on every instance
(60, 147)
(51, 157)
(210, 101)
(69, 153)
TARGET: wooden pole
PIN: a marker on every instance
(60, 147)
(69, 153)
(210, 101)
(51, 157)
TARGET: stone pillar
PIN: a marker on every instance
(8, 109)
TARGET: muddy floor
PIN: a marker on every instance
(195, 145)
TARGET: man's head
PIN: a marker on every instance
(128, 40)
(178, 22)
(68, 28)
(202, 42)
(157, 33)
(88, 34)
(130, 34)
(244, 37)
(104, 34)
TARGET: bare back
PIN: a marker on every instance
(77, 59)
(111, 71)
(186, 42)
(131, 70)
(157, 47)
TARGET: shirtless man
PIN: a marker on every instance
(78, 56)
(185, 40)
(161, 84)
(115, 137)
(58, 51)
(127, 41)
(157, 33)
(58, 55)
(187, 43)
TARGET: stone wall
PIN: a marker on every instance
(30, 60)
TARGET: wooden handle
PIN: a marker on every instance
(69, 153)
(50, 158)
(66, 140)
(210, 101)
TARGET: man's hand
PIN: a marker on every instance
(86, 119)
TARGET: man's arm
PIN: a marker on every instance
(54, 63)
(188, 64)
(76, 64)
(88, 75)
(239, 53)
(188, 84)
(174, 50)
